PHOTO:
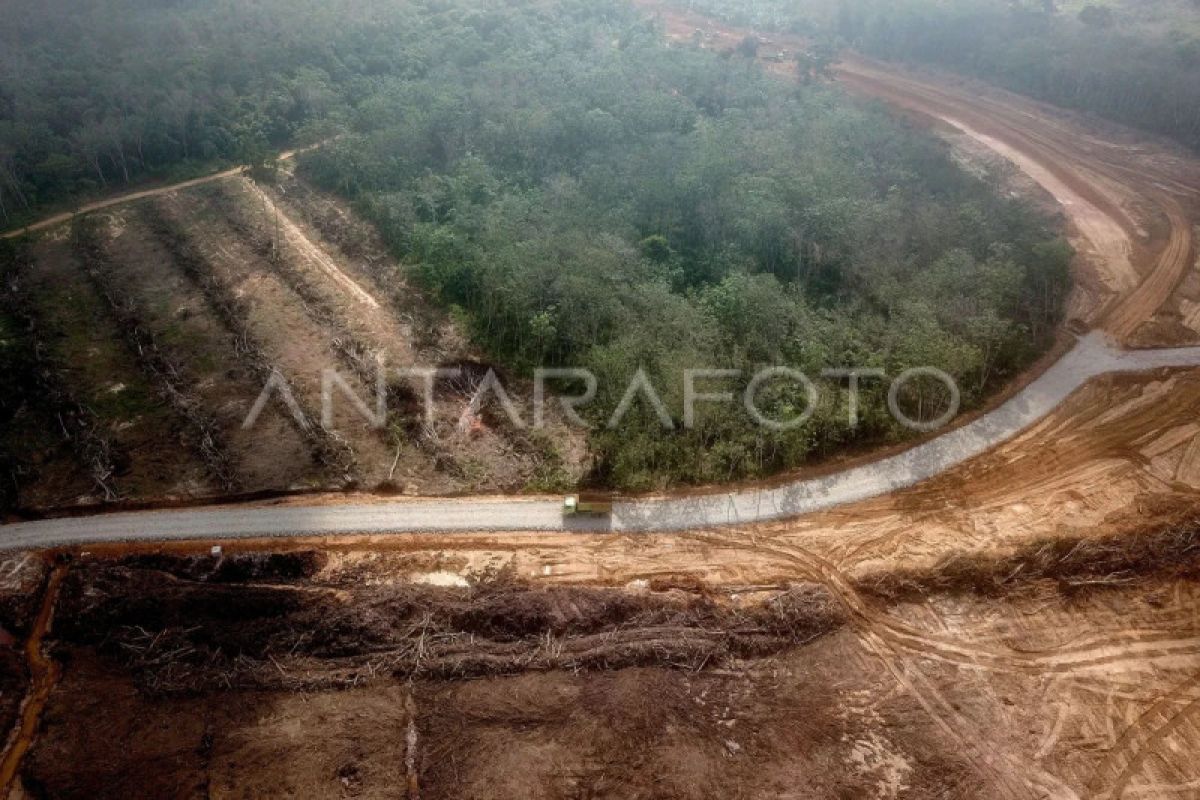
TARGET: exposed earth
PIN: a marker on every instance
(1066, 669)
(202, 294)
(1024, 624)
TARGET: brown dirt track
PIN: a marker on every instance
(1132, 204)
(1100, 175)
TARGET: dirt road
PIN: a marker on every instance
(1138, 267)
(129, 197)
(1090, 358)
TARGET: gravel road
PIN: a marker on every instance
(1091, 356)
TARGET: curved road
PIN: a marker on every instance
(1095, 184)
(1091, 356)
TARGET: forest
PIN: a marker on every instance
(1136, 62)
(576, 191)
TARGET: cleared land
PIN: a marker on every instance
(162, 320)
(1063, 670)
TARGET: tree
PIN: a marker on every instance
(748, 47)
(89, 142)
(814, 63)
(656, 248)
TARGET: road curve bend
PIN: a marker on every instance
(1092, 355)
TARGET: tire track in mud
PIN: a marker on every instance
(1141, 740)
(894, 643)
(1063, 660)
(1131, 312)
(1020, 777)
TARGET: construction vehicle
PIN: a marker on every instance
(587, 506)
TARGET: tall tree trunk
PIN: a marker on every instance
(123, 162)
(95, 159)
(10, 177)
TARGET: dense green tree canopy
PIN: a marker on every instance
(621, 204)
(581, 193)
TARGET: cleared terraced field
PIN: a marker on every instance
(161, 321)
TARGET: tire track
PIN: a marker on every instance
(947, 649)
(1130, 312)
(1141, 740)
